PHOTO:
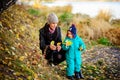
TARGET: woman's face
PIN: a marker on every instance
(53, 26)
(69, 34)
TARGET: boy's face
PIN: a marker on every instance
(53, 26)
(69, 34)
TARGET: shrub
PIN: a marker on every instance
(34, 12)
(66, 17)
(104, 41)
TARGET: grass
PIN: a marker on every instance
(104, 14)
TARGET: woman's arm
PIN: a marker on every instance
(59, 37)
(42, 39)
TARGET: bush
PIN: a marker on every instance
(66, 17)
(34, 12)
(104, 41)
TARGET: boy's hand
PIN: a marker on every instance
(68, 43)
(81, 49)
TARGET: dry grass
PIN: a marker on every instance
(67, 8)
(114, 35)
(93, 29)
(59, 10)
(104, 14)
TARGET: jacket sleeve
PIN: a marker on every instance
(82, 44)
(64, 47)
(42, 39)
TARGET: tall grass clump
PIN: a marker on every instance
(104, 14)
(114, 35)
(93, 29)
(60, 10)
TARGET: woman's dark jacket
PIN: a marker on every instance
(46, 37)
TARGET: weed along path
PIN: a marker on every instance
(21, 58)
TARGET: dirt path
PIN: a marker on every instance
(109, 54)
(105, 59)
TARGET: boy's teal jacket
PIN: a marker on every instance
(73, 54)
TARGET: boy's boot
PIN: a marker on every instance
(70, 77)
(81, 75)
(77, 75)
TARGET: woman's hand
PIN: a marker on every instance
(58, 48)
(52, 47)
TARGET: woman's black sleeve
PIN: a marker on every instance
(42, 39)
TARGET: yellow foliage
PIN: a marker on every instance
(4, 62)
(52, 42)
(22, 28)
(22, 58)
(59, 43)
(17, 73)
(17, 36)
(35, 75)
(36, 4)
(68, 43)
(81, 48)
(29, 77)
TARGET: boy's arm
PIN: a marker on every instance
(64, 47)
(82, 45)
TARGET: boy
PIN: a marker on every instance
(73, 45)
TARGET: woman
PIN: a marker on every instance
(50, 40)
